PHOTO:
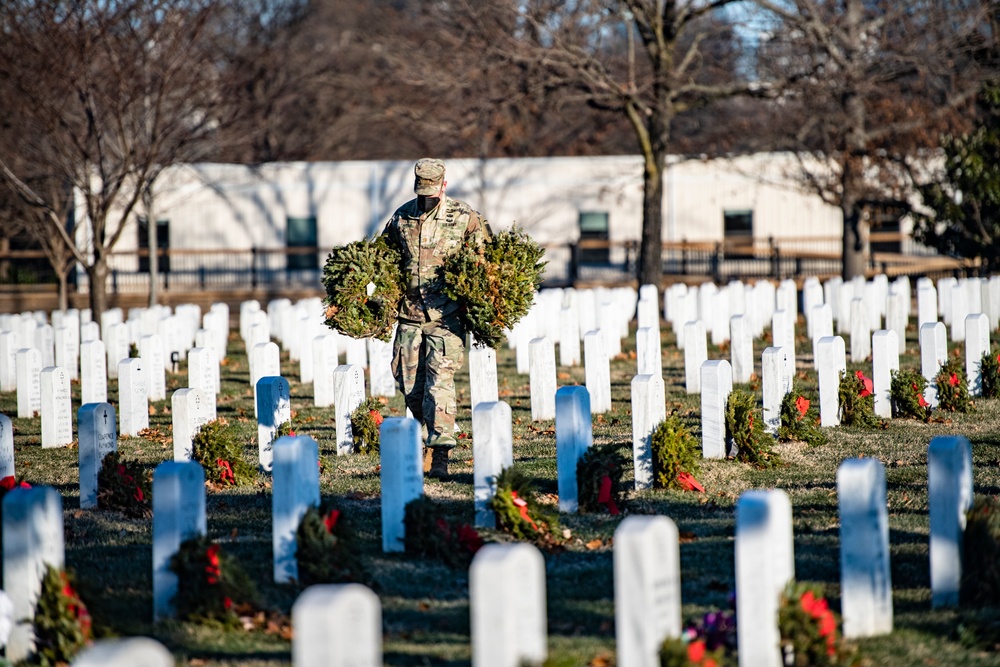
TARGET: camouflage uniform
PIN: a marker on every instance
(430, 341)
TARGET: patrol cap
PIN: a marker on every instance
(429, 176)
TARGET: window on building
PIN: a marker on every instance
(737, 224)
(594, 227)
(301, 233)
(886, 230)
(162, 243)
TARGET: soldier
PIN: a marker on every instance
(430, 341)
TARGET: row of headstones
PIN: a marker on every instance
(507, 582)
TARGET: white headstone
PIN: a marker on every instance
(865, 580)
(977, 343)
(821, 324)
(116, 342)
(774, 385)
(178, 515)
(597, 369)
(45, 342)
(896, 315)
(273, 409)
(337, 625)
(401, 475)
(29, 388)
(483, 386)
(93, 372)
(812, 296)
(380, 368)
(265, 362)
(492, 451)
(885, 360)
(8, 360)
(695, 354)
(324, 357)
(647, 588)
(67, 351)
(203, 371)
(33, 521)
(127, 652)
(765, 563)
(569, 336)
(133, 404)
(647, 347)
(649, 408)
(718, 317)
(296, 489)
(716, 384)
(356, 352)
(787, 297)
(874, 301)
(98, 438)
(926, 303)
(543, 379)
(860, 335)
(574, 436)
(959, 304)
(741, 347)
(933, 340)
(783, 335)
(57, 407)
(507, 606)
(190, 410)
(832, 363)
(349, 393)
(6, 447)
(151, 353)
(949, 491)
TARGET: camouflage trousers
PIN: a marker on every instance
(425, 358)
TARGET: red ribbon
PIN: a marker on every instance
(604, 496)
(227, 471)
(8, 483)
(330, 521)
(522, 504)
(953, 380)
(377, 417)
(688, 482)
(920, 397)
(213, 570)
(802, 403)
(867, 386)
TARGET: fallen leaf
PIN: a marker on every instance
(686, 536)
(594, 544)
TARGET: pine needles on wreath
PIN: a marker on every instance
(675, 451)
(61, 623)
(981, 553)
(989, 368)
(365, 423)
(210, 583)
(599, 479)
(517, 509)
(431, 534)
(906, 390)
(326, 549)
(856, 400)
(124, 486)
(953, 387)
(347, 274)
(496, 284)
(799, 421)
(745, 427)
(216, 448)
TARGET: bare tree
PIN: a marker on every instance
(876, 85)
(108, 94)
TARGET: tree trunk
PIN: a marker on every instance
(855, 244)
(98, 277)
(152, 245)
(63, 277)
(651, 243)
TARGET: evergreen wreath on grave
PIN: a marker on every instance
(675, 453)
(124, 486)
(496, 283)
(430, 534)
(953, 387)
(326, 548)
(365, 422)
(347, 274)
(856, 400)
(211, 585)
(61, 623)
(710, 642)
(799, 421)
(989, 367)
(599, 480)
(284, 428)
(216, 448)
(689, 652)
(6, 484)
(906, 389)
(981, 553)
(808, 628)
(745, 428)
(517, 508)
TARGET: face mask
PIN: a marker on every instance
(427, 204)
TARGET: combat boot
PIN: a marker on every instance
(428, 459)
(439, 462)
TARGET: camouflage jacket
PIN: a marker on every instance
(425, 241)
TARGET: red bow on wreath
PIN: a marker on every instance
(227, 471)
(866, 384)
(953, 380)
(604, 495)
(377, 417)
(522, 505)
(213, 570)
(8, 483)
(802, 403)
(330, 521)
(688, 482)
(921, 401)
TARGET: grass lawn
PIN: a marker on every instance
(425, 604)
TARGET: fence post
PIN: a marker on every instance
(717, 263)
(684, 257)
(574, 263)
(775, 258)
(201, 276)
(253, 267)
(114, 281)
